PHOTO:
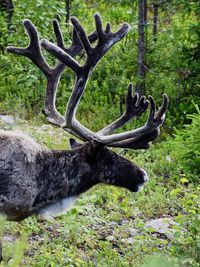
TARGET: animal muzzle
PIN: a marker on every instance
(143, 180)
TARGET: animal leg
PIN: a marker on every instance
(15, 210)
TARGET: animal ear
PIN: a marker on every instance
(74, 143)
(92, 151)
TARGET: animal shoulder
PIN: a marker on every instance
(12, 143)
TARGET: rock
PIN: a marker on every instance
(133, 231)
(112, 224)
(7, 119)
(128, 240)
(110, 238)
(162, 226)
(9, 238)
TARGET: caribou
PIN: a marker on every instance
(38, 181)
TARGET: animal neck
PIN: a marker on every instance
(64, 175)
(70, 168)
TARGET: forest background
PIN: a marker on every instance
(170, 65)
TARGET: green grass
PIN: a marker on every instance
(106, 227)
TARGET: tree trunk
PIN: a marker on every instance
(155, 21)
(68, 9)
(141, 69)
(8, 6)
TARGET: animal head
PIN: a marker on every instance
(109, 167)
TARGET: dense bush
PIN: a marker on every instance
(186, 146)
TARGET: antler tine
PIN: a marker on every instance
(159, 117)
(60, 54)
(76, 43)
(134, 108)
(66, 55)
(154, 121)
(106, 39)
(96, 53)
(99, 27)
(108, 28)
(76, 46)
(141, 142)
(161, 113)
(128, 139)
(32, 51)
(82, 35)
(58, 34)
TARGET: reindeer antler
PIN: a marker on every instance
(134, 108)
(105, 40)
(34, 53)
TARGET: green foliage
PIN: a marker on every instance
(2, 222)
(17, 248)
(160, 260)
(187, 145)
(187, 242)
(172, 62)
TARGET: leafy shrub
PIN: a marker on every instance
(186, 244)
(187, 144)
